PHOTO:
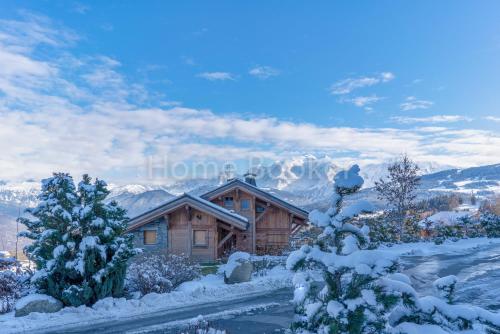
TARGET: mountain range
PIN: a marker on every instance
(306, 181)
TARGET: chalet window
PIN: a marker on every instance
(228, 202)
(245, 204)
(150, 237)
(260, 209)
(200, 238)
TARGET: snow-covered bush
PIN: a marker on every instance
(442, 232)
(438, 315)
(352, 300)
(7, 262)
(201, 326)
(10, 290)
(445, 287)
(382, 230)
(262, 264)
(79, 243)
(411, 229)
(491, 224)
(160, 273)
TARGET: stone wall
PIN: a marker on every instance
(160, 226)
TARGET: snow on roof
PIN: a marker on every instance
(218, 207)
(5, 254)
(170, 204)
(255, 189)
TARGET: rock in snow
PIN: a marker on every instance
(238, 268)
(37, 303)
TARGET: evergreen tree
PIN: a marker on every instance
(351, 301)
(491, 224)
(53, 227)
(79, 247)
(382, 230)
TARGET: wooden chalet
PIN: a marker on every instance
(235, 216)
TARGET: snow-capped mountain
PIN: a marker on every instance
(483, 180)
(374, 172)
(297, 174)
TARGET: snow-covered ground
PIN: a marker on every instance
(475, 262)
(448, 247)
(210, 288)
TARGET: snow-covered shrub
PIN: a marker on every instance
(411, 229)
(442, 232)
(262, 264)
(8, 262)
(201, 326)
(491, 224)
(471, 227)
(352, 299)
(445, 287)
(382, 230)
(160, 273)
(79, 243)
(10, 290)
(435, 315)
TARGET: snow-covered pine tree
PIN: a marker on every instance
(86, 257)
(351, 300)
(382, 230)
(491, 224)
(103, 246)
(431, 314)
(51, 229)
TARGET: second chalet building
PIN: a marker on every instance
(235, 216)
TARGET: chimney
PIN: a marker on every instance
(250, 179)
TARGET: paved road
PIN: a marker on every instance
(257, 314)
(478, 270)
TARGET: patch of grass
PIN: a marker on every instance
(207, 269)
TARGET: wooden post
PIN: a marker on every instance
(254, 237)
(189, 231)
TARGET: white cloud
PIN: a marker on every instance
(60, 114)
(346, 86)
(412, 103)
(387, 76)
(492, 118)
(431, 119)
(263, 72)
(363, 101)
(216, 76)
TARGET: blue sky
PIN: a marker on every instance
(101, 86)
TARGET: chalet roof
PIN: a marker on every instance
(196, 202)
(237, 183)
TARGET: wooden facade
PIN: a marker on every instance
(270, 224)
(235, 216)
